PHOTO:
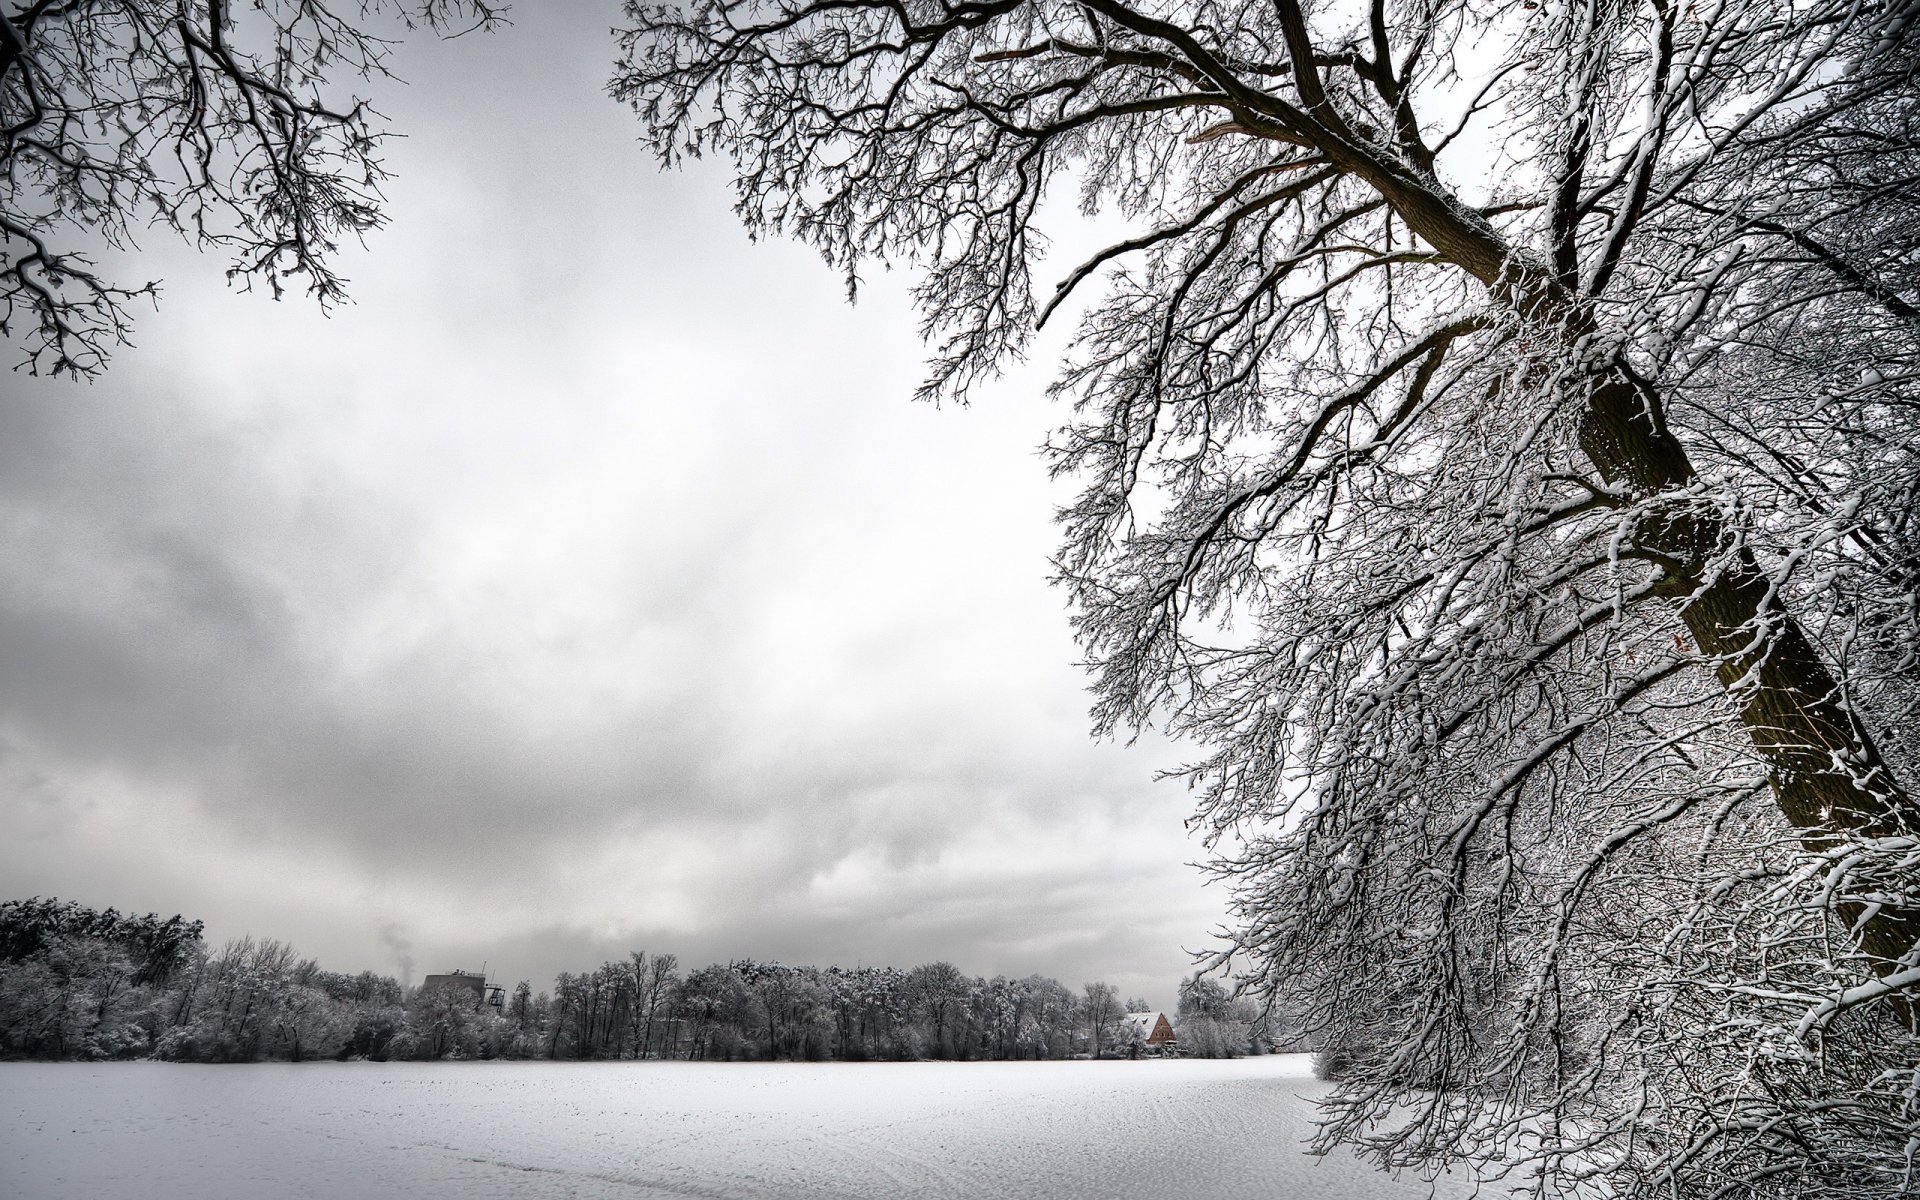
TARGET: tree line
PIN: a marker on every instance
(86, 984)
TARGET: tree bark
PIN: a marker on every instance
(1827, 776)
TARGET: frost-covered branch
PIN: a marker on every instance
(220, 123)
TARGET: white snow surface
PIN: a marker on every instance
(1063, 1130)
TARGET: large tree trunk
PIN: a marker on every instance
(1827, 776)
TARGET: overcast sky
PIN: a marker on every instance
(590, 584)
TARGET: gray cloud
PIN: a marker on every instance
(589, 584)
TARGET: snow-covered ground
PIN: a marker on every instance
(1062, 1130)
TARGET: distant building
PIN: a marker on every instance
(461, 980)
(1147, 1029)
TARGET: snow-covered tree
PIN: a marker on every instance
(1497, 436)
(227, 124)
(938, 992)
(307, 1023)
(1203, 996)
(662, 973)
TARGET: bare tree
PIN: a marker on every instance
(1100, 1008)
(223, 123)
(662, 973)
(1498, 449)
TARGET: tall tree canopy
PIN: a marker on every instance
(1498, 448)
(221, 122)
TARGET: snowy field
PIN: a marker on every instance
(1061, 1130)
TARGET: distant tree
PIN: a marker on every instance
(376, 1025)
(794, 1007)
(157, 946)
(938, 992)
(365, 988)
(999, 1005)
(1203, 996)
(308, 1023)
(449, 1020)
(614, 992)
(238, 993)
(662, 973)
(1047, 1028)
(772, 985)
(872, 1008)
(70, 998)
(542, 1023)
(1210, 1037)
(1100, 1012)
(1024, 1018)
(221, 123)
(716, 1005)
(30, 1000)
(1206, 1025)
(560, 1014)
